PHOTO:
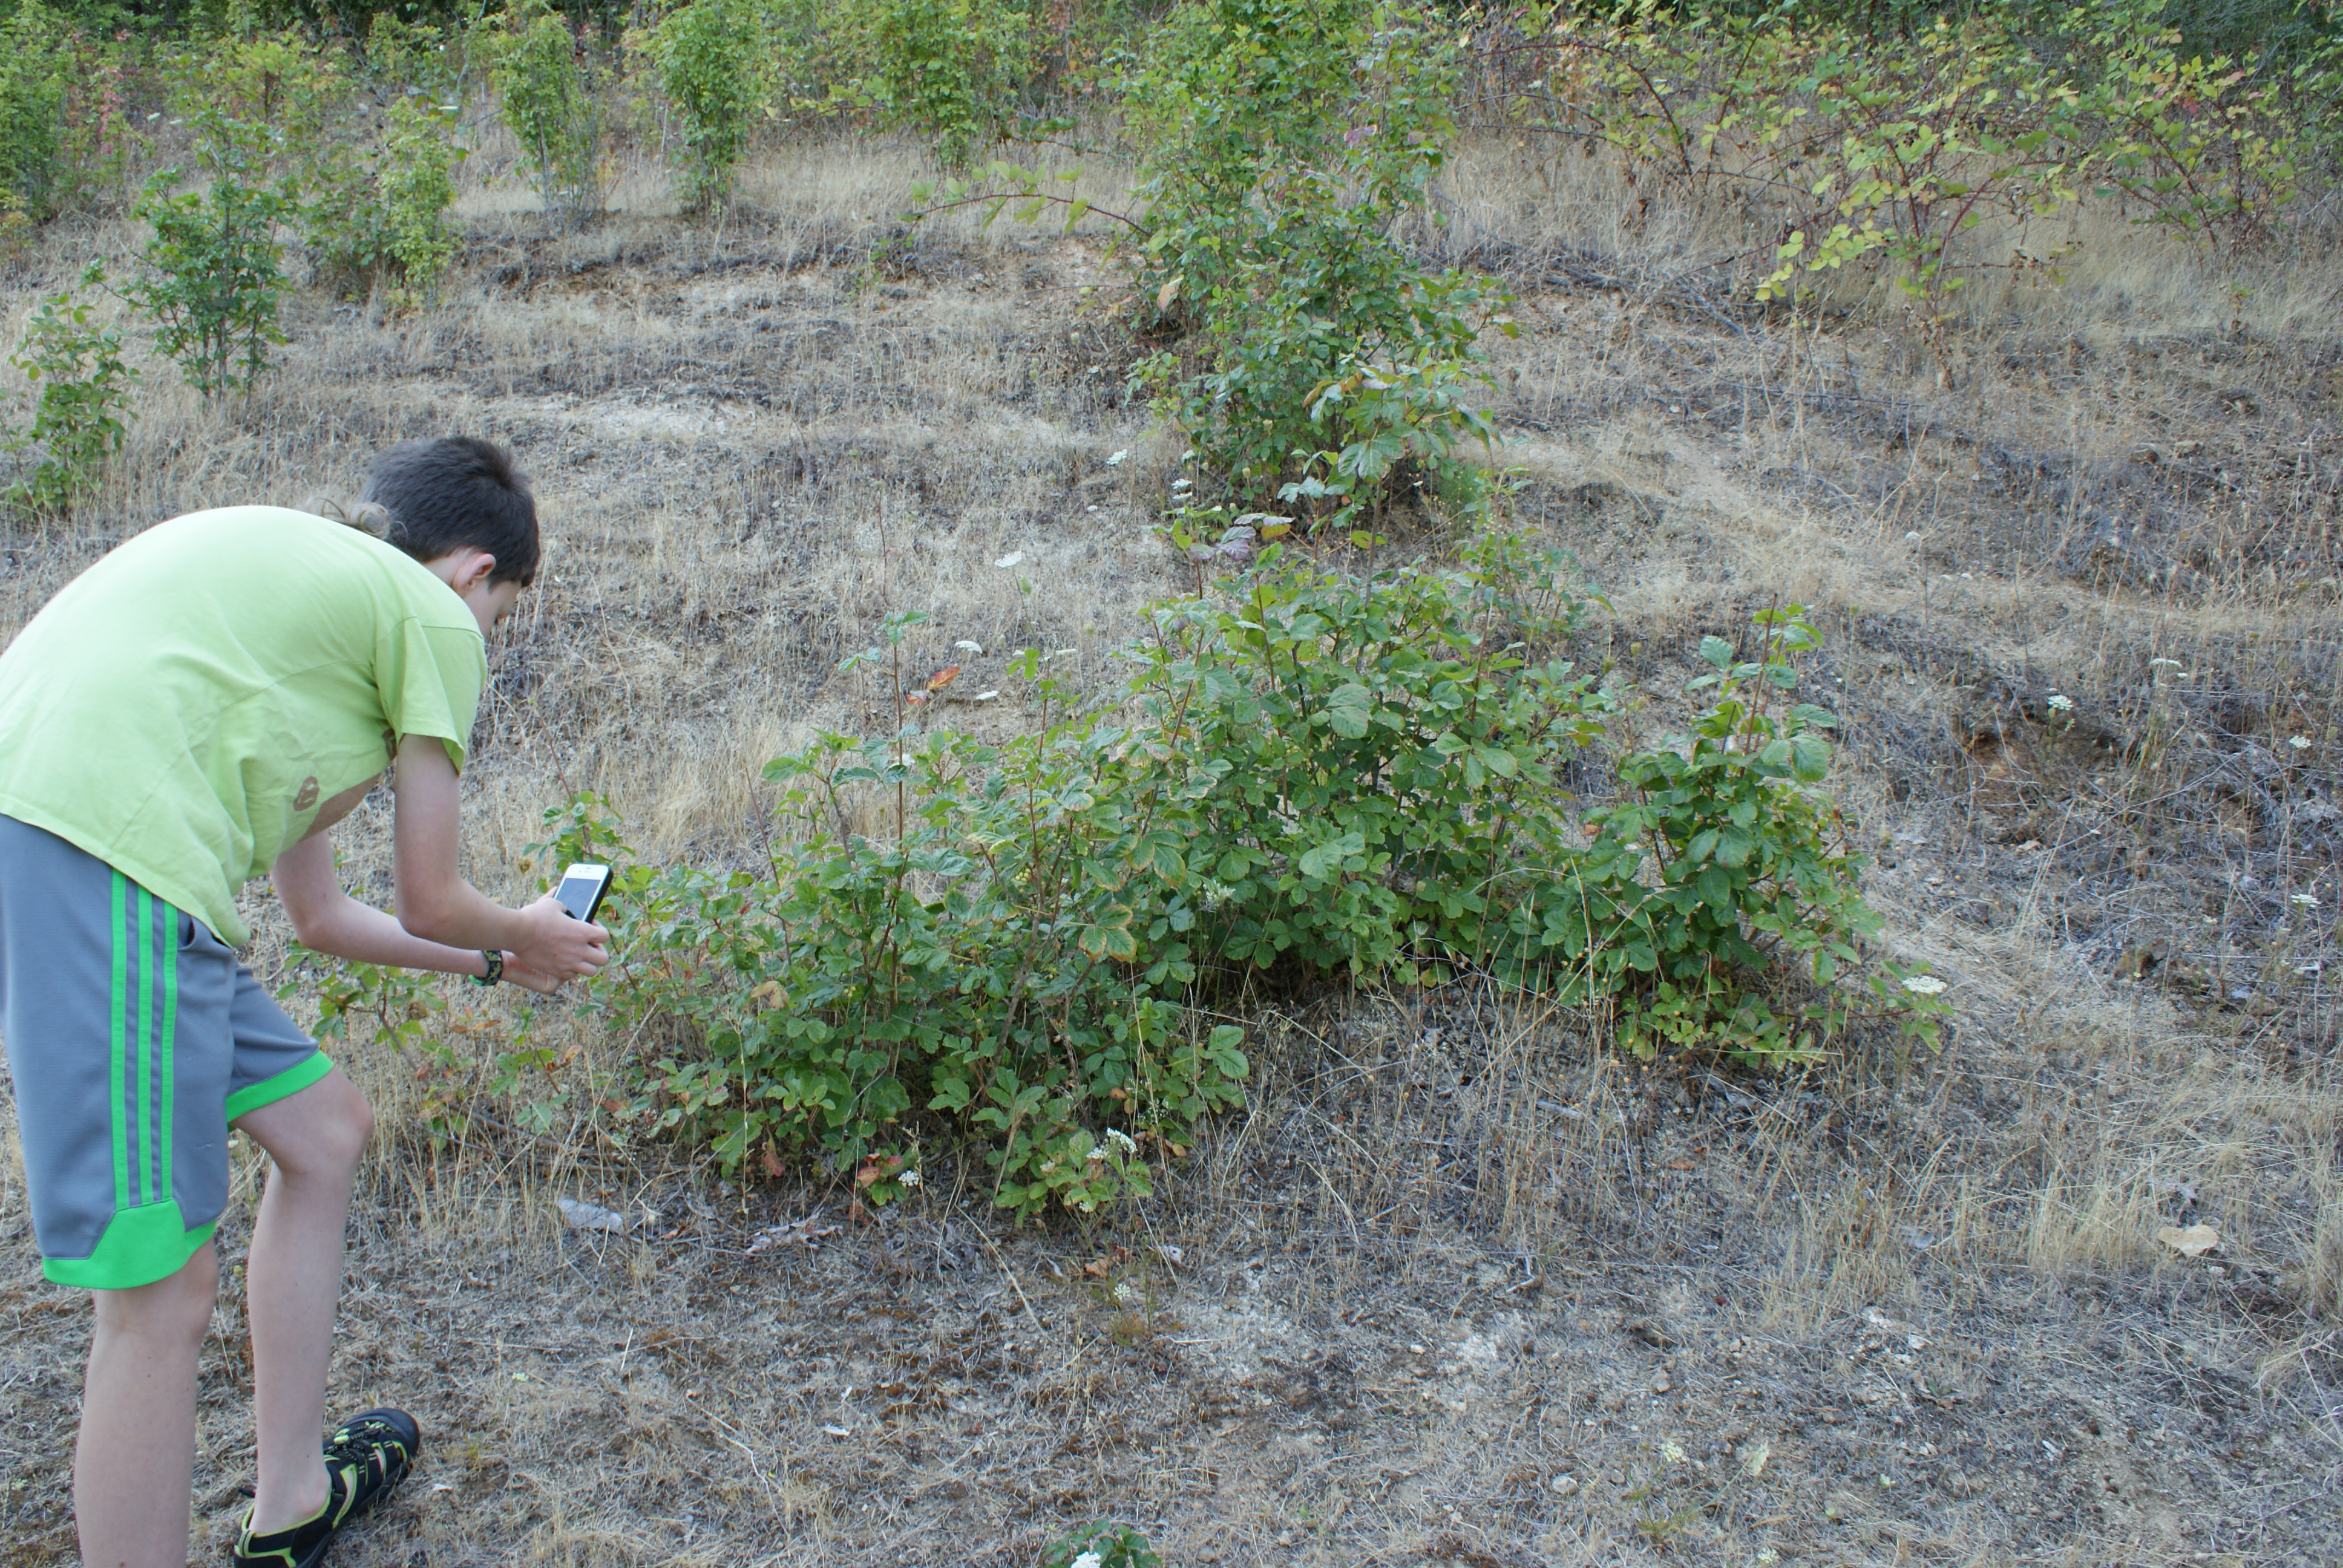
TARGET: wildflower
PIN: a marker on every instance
(1014, 557)
(1116, 461)
(966, 646)
(1122, 1139)
(1672, 1451)
(2305, 900)
(2061, 703)
(1087, 1560)
(1913, 537)
(909, 1178)
(2164, 664)
(1924, 985)
(1182, 484)
(2299, 742)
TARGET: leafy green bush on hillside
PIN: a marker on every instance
(1314, 771)
(1870, 145)
(80, 390)
(550, 106)
(708, 59)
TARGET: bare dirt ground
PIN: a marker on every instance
(1463, 1285)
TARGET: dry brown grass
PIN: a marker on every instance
(1445, 1259)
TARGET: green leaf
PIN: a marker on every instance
(1717, 651)
(1810, 756)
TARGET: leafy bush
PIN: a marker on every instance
(707, 56)
(384, 216)
(1102, 1545)
(1878, 145)
(549, 106)
(33, 61)
(214, 269)
(1313, 771)
(84, 400)
(1282, 144)
(953, 70)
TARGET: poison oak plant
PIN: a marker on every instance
(1314, 771)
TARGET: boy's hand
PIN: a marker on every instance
(521, 974)
(557, 946)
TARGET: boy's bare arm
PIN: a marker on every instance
(328, 921)
(438, 905)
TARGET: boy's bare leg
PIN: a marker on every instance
(137, 1444)
(293, 1281)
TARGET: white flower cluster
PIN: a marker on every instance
(1924, 985)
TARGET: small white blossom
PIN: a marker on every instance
(2299, 742)
(2164, 664)
(1924, 985)
(1913, 537)
(1116, 461)
(1087, 1560)
(2061, 703)
(1672, 1451)
(1182, 484)
(909, 1178)
(2304, 900)
(1014, 557)
(1122, 1139)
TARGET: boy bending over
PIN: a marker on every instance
(195, 709)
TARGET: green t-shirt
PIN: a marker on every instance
(181, 708)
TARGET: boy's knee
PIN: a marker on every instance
(178, 1307)
(321, 1131)
(346, 1128)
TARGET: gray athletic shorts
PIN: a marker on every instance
(134, 1039)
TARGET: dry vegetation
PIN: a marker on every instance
(1463, 1286)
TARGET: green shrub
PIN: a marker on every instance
(705, 57)
(1283, 141)
(1878, 146)
(549, 106)
(214, 274)
(382, 215)
(1102, 1545)
(33, 77)
(1314, 771)
(82, 405)
(953, 70)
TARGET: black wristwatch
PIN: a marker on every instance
(495, 968)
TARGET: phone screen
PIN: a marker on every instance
(581, 890)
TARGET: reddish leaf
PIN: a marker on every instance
(943, 678)
(770, 1161)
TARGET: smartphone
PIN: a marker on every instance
(581, 890)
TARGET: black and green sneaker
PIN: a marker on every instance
(366, 1456)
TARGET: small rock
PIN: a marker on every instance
(1660, 1383)
(1652, 1332)
(582, 1216)
(1564, 1485)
